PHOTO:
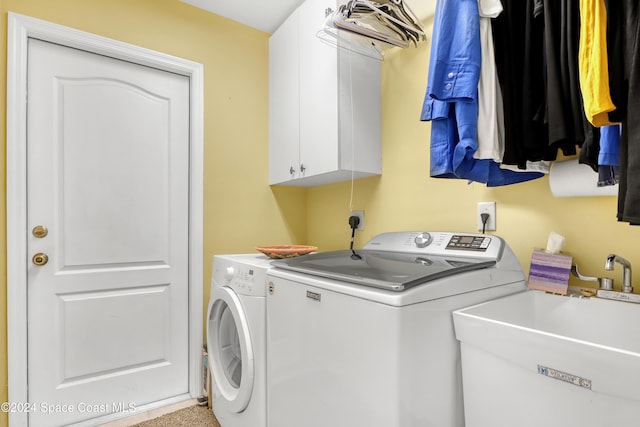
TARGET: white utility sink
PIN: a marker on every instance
(535, 359)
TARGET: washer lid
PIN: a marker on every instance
(381, 269)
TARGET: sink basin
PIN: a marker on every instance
(536, 359)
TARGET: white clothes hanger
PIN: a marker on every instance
(393, 13)
(350, 41)
(367, 27)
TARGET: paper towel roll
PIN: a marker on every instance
(569, 178)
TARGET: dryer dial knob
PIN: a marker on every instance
(422, 240)
(230, 271)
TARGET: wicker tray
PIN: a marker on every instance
(286, 251)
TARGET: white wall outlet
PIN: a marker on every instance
(488, 208)
(359, 214)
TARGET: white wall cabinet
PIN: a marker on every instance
(324, 105)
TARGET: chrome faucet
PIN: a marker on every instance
(626, 273)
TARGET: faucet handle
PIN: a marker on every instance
(606, 283)
(603, 282)
(575, 272)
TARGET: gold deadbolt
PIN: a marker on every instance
(40, 259)
(39, 231)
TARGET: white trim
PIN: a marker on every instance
(20, 29)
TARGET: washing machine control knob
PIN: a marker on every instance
(422, 240)
(229, 273)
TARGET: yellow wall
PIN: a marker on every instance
(240, 210)
(405, 198)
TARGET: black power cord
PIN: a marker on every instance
(485, 218)
(354, 221)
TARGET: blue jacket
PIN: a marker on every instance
(451, 99)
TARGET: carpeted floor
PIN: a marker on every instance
(193, 416)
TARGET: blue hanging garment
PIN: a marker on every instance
(451, 99)
(609, 155)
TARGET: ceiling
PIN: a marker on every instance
(267, 15)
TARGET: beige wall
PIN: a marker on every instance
(240, 209)
(405, 198)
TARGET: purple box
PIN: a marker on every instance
(550, 272)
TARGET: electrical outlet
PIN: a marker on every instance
(359, 214)
(489, 208)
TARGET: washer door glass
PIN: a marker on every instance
(230, 354)
(230, 350)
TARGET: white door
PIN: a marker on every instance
(108, 176)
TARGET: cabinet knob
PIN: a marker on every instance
(302, 168)
(292, 170)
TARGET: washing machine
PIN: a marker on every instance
(366, 338)
(236, 334)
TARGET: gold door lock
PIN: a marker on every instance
(39, 231)
(40, 259)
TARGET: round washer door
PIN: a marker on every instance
(231, 357)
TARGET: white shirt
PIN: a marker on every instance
(490, 108)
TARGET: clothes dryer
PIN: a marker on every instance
(236, 340)
(366, 338)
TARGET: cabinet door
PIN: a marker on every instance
(284, 102)
(318, 92)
